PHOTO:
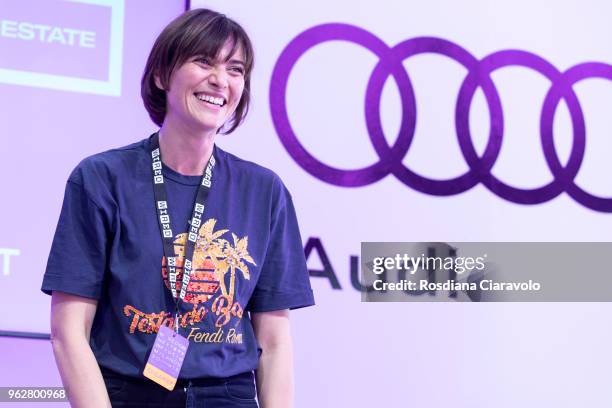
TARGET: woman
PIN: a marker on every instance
(173, 235)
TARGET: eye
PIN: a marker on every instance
(203, 61)
(237, 69)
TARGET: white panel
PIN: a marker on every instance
(436, 354)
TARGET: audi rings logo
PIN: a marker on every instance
(479, 75)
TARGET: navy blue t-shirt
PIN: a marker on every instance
(248, 258)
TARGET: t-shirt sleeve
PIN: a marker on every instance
(77, 260)
(284, 282)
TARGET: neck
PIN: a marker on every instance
(184, 151)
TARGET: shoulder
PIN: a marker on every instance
(255, 174)
(106, 165)
(104, 176)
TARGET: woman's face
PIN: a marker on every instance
(203, 93)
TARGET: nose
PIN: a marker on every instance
(218, 78)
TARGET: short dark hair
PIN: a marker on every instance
(198, 32)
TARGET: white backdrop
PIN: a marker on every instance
(435, 354)
(349, 353)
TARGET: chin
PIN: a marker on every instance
(208, 125)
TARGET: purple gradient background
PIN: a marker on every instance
(45, 134)
(28, 363)
(346, 353)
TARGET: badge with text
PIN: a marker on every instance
(166, 358)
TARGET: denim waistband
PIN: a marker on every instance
(181, 382)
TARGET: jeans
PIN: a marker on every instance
(237, 391)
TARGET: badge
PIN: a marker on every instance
(166, 358)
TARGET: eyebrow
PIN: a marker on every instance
(236, 61)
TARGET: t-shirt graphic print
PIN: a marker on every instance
(220, 262)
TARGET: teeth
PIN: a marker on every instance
(210, 99)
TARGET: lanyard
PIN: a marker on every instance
(163, 218)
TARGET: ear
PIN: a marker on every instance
(158, 82)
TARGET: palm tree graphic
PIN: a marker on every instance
(234, 255)
(208, 246)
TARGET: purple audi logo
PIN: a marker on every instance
(390, 63)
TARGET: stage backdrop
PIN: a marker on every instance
(70, 84)
(70, 87)
(388, 121)
(437, 121)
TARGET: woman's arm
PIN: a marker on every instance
(71, 320)
(275, 371)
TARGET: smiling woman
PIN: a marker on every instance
(203, 92)
(220, 48)
(191, 295)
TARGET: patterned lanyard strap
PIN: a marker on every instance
(163, 218)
